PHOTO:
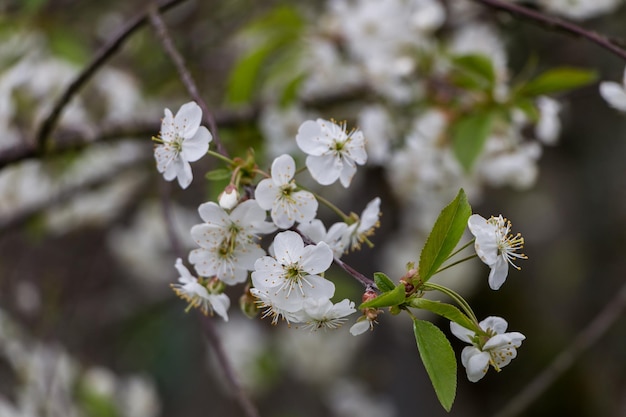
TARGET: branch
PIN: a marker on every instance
(185, 76)
(207, 322)
(69, 140)
(102, 56)
(556, 23)
(585, 339)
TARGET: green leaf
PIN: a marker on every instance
(446, 233)
(439, 360)
(474, 71)
(557, 79)
(218, 174)
(447, 311)
(275, 41)
(469, 134)
(383, 282)
(390, 298)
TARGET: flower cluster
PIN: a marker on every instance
(289, 284)
(285, 278)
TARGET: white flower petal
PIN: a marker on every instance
(311, 140)
(498, 273)
(461, 332)
(360, 327)
(476, 363)
(283, 169)
(197, 146)
(316, 258)
(614, 94)
(266, 193)
(188, 119)
(288, 247)
(494, 323)
(324, 169)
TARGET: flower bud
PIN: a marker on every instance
(229, 198)
(215, 286)
(248, 305)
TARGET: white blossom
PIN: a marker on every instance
(548, 127)
(615, 93)
(359, 231)
(493, 347)
(335, 237)
(189, 289)
(291, 275)
(496, 246)
(281, 195)
(332, 152)
(182, 140)
(227, 241)
(322, 313)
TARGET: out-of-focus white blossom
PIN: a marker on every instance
(615, 93)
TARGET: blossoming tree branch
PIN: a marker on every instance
(289, 285)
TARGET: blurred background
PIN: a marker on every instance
(88, 323)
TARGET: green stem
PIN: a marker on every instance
(330, 205)
(455, 263)
(461, 248)
(220, 156)
(455, 296)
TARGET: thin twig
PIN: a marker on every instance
(185, 76)
(556, 23)
(207, 323)
(240, 395)
(68, 140)
(585, 339)
(103, 55)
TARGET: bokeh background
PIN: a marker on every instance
(89, 325)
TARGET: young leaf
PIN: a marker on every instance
(448, 311)
(439, 360)
(383, 282)
(557, 79)
(474, 71)
(469, 134)
(446, 233)
(390, 298)
(218, 174)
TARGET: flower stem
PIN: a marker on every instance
(455, 296)
(220, 156)
(455, 263)
(331, 206)
(461, 248)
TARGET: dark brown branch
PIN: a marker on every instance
(185, 76)
(243, 400)
(65, 141)
(103, 55)
(556, 23)
(27, 213)
(207, 322)
(585, 339)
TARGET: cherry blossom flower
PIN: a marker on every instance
(493, 347)
(615, 93)
(291, 275)
(271, 309)
(332, 152)
(496, 246)
(227, 241)
(189, 289)
(181, 140)
(335, 237)
(358, 232)
(322, 313)
(280, 195)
